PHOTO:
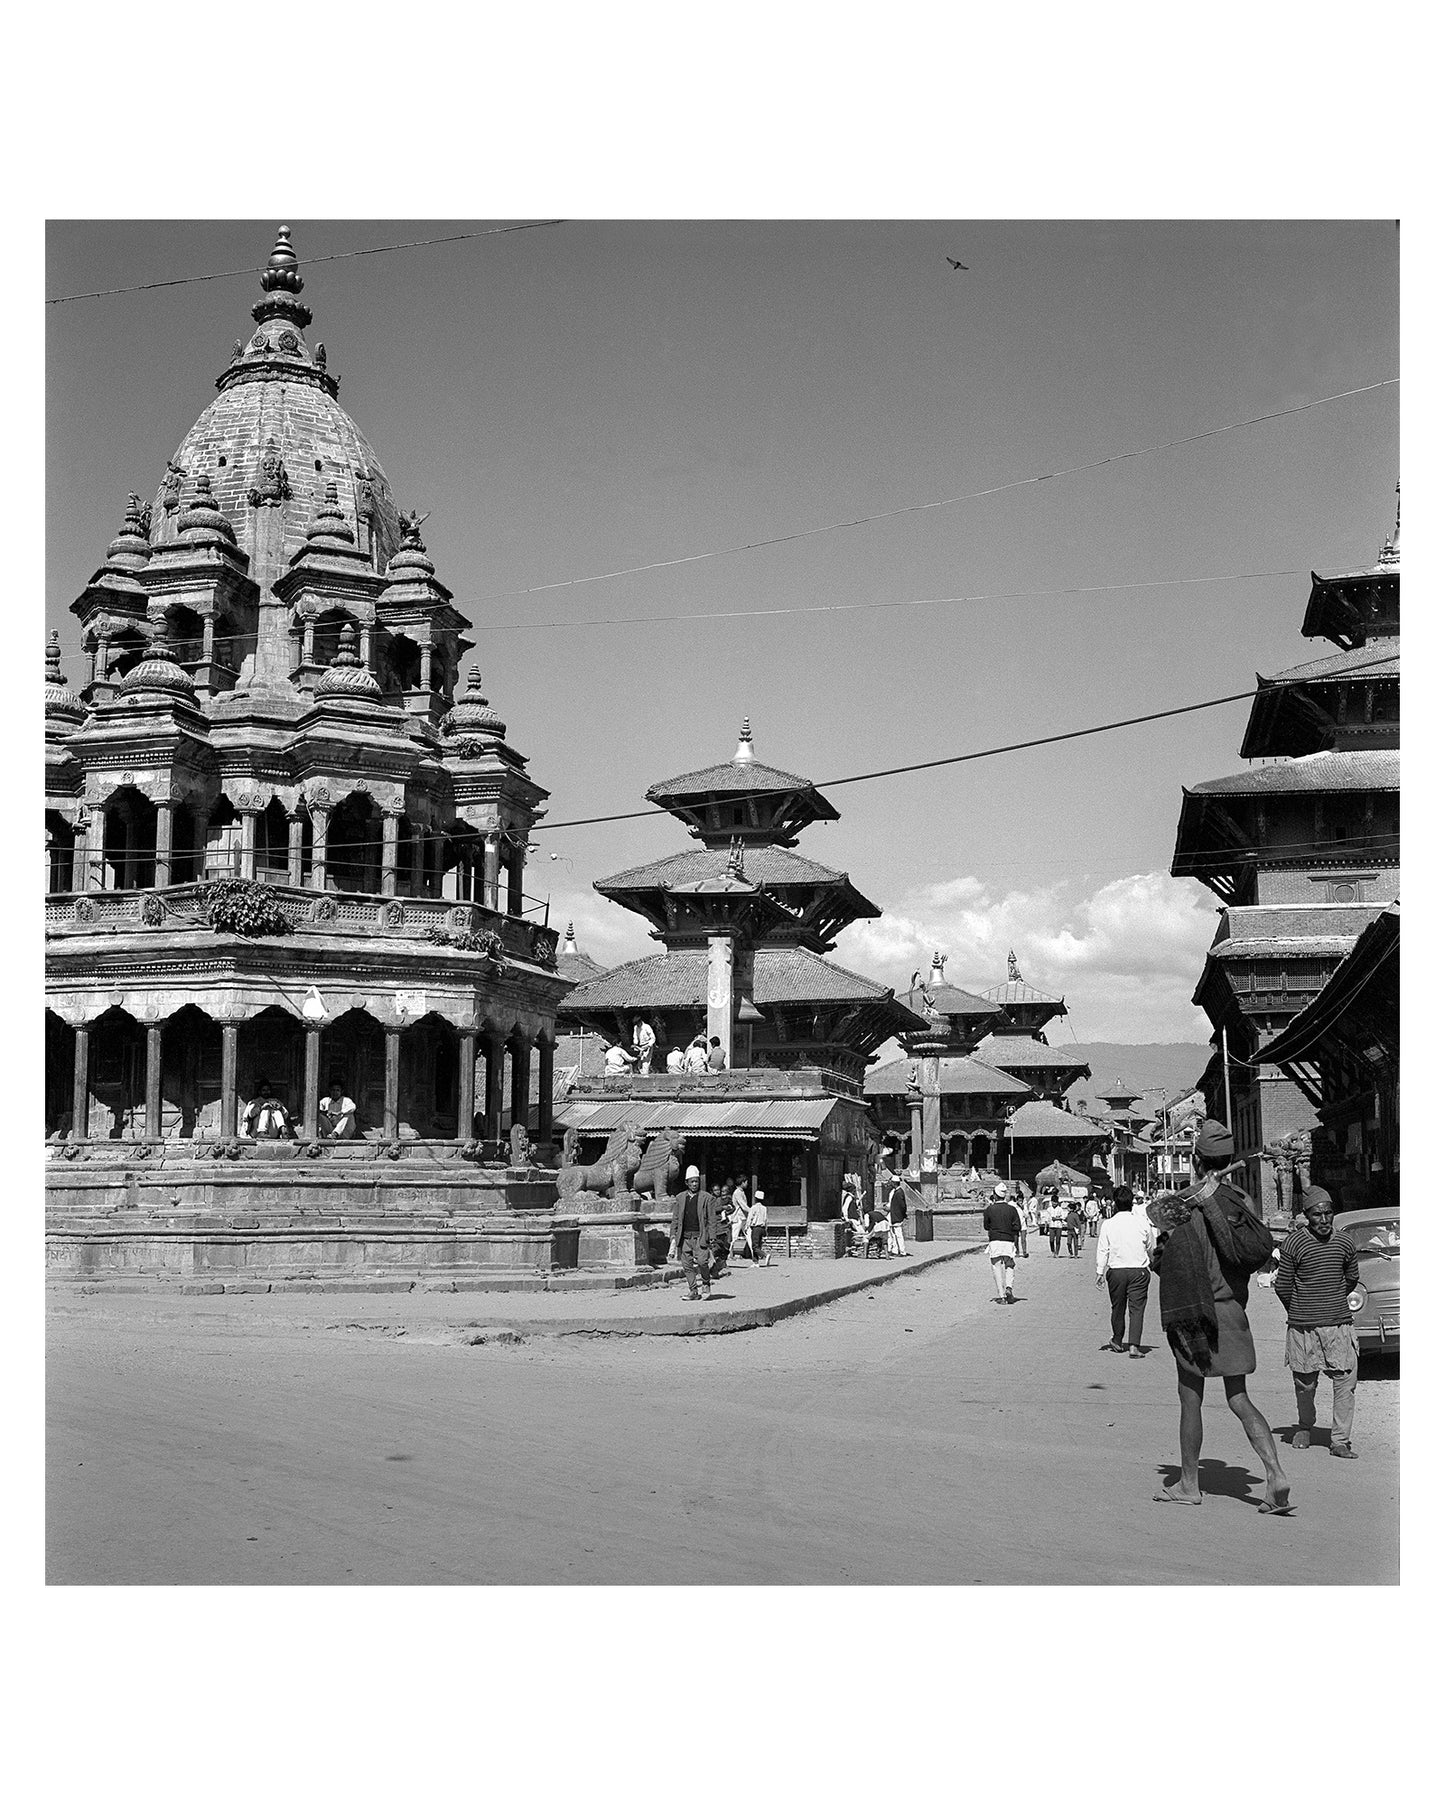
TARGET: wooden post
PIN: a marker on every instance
(153, 1081)
(393, 1083)
(389, 824)
(229, 1044)
(80, 1097)
(466, 1084)
(521, 1080)
(248, 843)
(295, 828)
(165, 814)
(492, 1115)
(319, 819)
(311, 1099)
(545, 1052)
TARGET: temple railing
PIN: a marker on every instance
(310, 912)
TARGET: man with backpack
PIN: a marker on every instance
(1210, 1241)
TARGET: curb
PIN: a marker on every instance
(702, 1322)
(211, 1288)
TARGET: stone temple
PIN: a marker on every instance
(286, 847)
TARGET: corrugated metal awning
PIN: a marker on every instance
(775, 1116)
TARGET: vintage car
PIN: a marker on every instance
(1375, 1301)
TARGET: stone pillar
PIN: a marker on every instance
(915, 1131)
(203, 829)
(319, 819)
(932, 1126)
(248, 843)
(492, 1113)
(389, 823)
(80, 1096)
(153, 1081)
(418, 854)
(295, 851)
(545, 1053)
(521, 1081)
(308, 643)
(91, 842)
(311, 1097)
(426, 666)
(466, 1084)
(165, 821)
(229, 1040)
(720, 1011)
(393, 1083)
(516, 866)
(491, 868)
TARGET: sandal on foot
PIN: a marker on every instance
(1168, 1497)
(1277, 1508)
(1344, 1451)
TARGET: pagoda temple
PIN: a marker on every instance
(745, 923)
(1303, 851)
(285, 845)
(980, 1090)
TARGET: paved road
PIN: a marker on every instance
(916, 1434)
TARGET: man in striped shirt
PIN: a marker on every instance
(1318, 1269)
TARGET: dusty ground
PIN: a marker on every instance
(914, 1434)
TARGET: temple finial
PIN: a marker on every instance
(53, 673)
(1390, 551)
(744, 753)
(569, 940)
(1015, 976)
(282, 267)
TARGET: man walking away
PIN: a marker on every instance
(757, 1228)
(1091, 1215)
(1122, 1261)
(1210, 1242)
(897, 1216)
(694, 1226)
(1003, 1226)
(1318, 1268)
(1073, 1229)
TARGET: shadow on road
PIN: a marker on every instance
(1218, 1477)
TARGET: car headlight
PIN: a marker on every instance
(1358, 1299)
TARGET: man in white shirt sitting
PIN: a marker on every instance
(1126, 1241)
(617, 1061)
(337, 1115)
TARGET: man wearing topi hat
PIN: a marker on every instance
(694, 1229)
(1210, 1241)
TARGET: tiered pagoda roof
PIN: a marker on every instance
(743, 800)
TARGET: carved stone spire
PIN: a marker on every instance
(329, 528)
(130, 549)
(1390, 551)
(346, 675)
(201, 521)
(158, 673)
(60, 702)
(471, 714)
(744, 753)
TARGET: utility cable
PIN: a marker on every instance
(254, 269)
(951, 501)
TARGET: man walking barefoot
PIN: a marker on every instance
(1318, 1269)
(1003, 1226)
(1210, 1243)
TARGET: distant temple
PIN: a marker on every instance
(1304, 853)
(285, 846)
(745, 923)
(980, 1089)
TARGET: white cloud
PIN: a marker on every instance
(1126, 956)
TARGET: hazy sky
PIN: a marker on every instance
(595, 395)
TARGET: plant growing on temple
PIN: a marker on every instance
(243, 906)
(485, 943)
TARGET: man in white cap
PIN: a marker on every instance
(694, 1226)
(757, 1227)
(1003, 1226)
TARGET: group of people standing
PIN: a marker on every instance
(703, 1054)
(708, 1228)
(883, 1223)
(1203, 1245)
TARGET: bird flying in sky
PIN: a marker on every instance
(953, 263)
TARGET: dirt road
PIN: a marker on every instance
(916, 1434)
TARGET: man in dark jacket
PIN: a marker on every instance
(694, 1229)
(1003, 1226)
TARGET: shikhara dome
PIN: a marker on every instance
(276, 431)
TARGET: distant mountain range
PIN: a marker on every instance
(1176, 1064)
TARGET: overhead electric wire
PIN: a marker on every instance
(951, 501)
(254, 269)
